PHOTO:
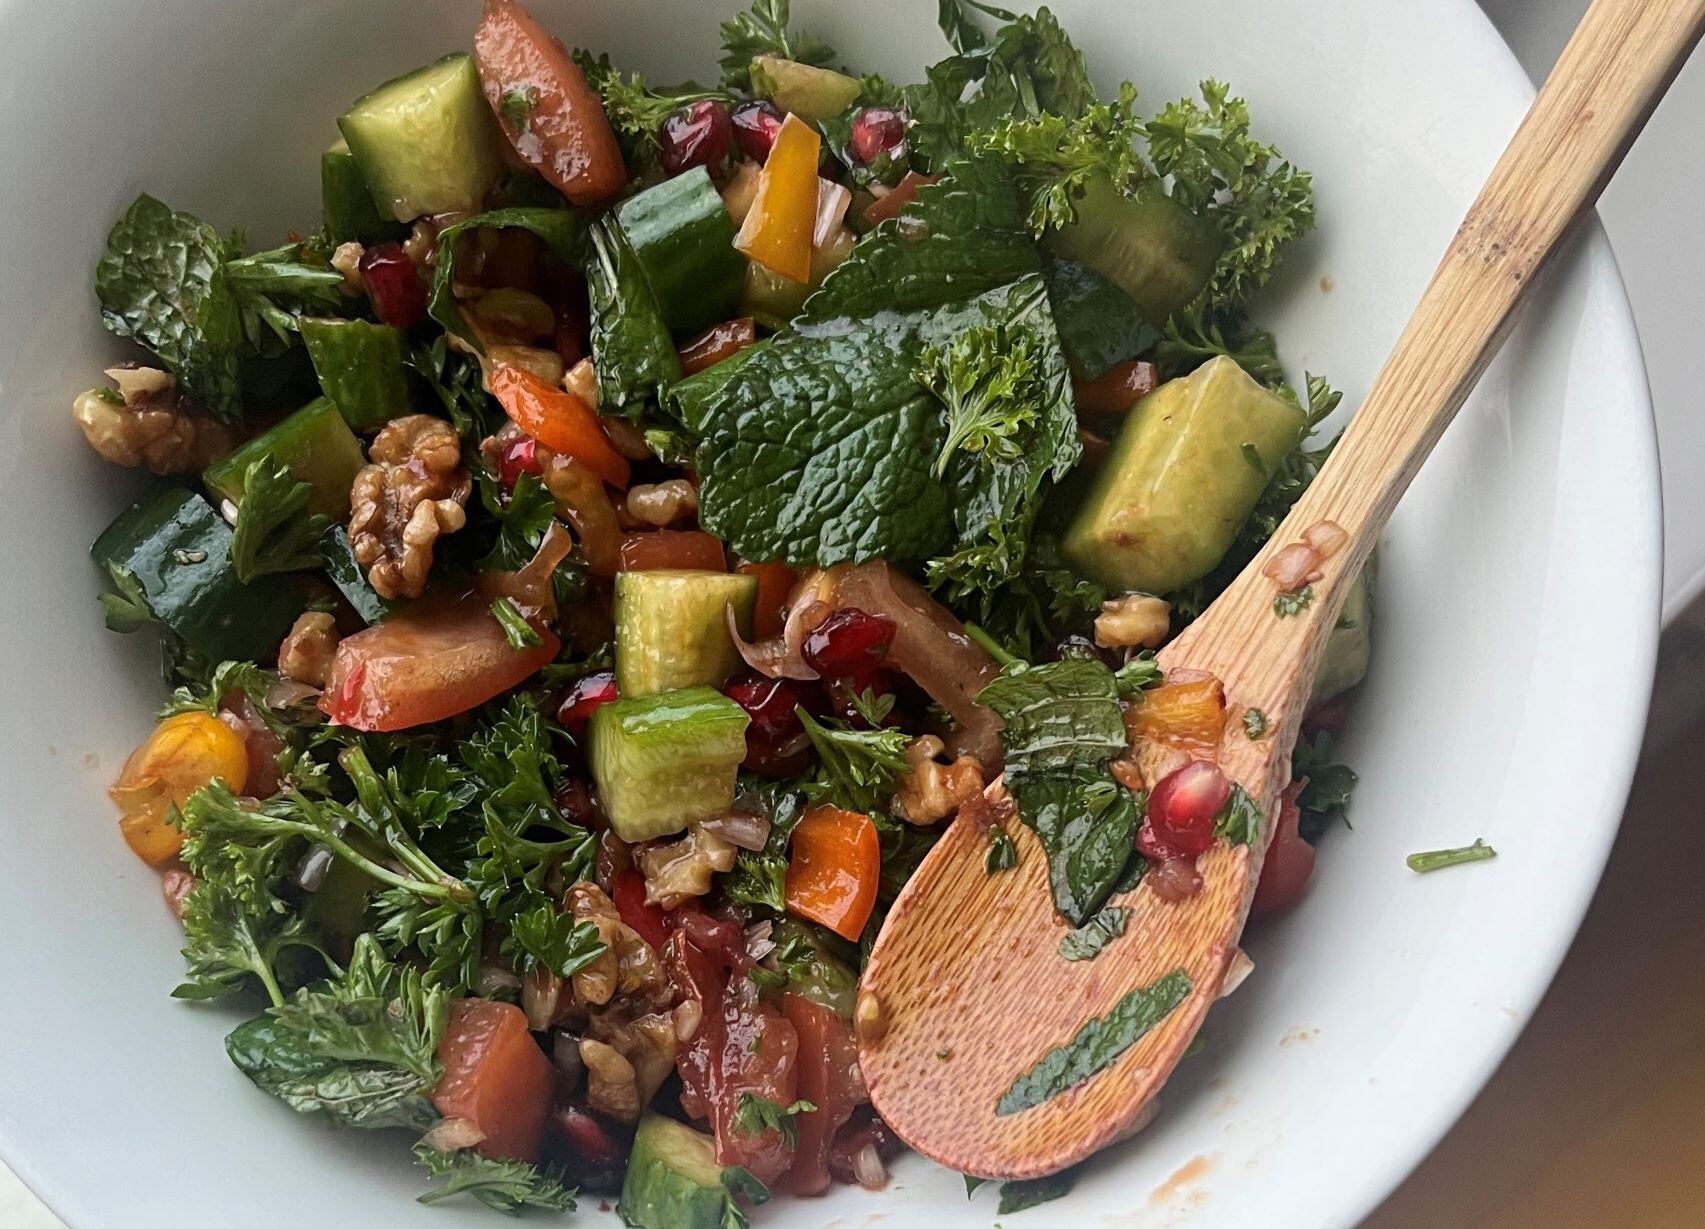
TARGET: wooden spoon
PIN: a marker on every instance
(965, 991)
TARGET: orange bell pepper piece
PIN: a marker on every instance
(834, 870)
(1189, 715)
(183, 754)
(558, 420)
(656, 550)
(777, 231)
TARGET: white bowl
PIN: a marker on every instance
(1518, 611)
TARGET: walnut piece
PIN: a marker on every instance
(662, 504)
(648, 1044)
(347, 261)
(410, 494)
(627, 977)
(306, 654)
(930, 791)
(144, 424)
(611, 1086)
(677, 871)
(1135, 621)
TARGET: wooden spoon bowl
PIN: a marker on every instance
(966, 993)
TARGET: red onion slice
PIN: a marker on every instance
(774, 658)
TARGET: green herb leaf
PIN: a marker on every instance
(635, 110)
(991, 384)
(1017, 1196)
(1097, 1045)
(519, 633)
(1098, 323)
(738, 1183)
(856, 769)
(1326, 798)
(756, 1115)
(1086, 942)
(360, 1049)
(126, 608)
(1240, 821)
(554, 939)
(1438, 859)
(516, 108)
(1254, 724)
(505, 1186)
(1002, 855)
(762, 30)
(1293, 601)
(632, 350)
(275, 532)
(564, 232)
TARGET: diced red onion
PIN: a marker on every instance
(1293, 567)
(541, 992)
(495, 981)
(868, 1168)
(1327, 538)
(1241, 966)
(452, 1135)
(689, 1013)
(758, 941)
(565, 1055)
(832, 202)
(775, 658)
(288, 693)
(530, 587)
(312, 873)
(740, 828)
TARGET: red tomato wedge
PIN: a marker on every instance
(1289, 862)
(775, 586)
(627, 892)
(432, 660)
(1117, 389)
(558, 420)
(718, 342)
(904, 194)
(551, 116)
(834, 870)
(661, 549)
(496, 1077)
(826, 1075)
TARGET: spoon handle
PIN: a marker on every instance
(1616, 67)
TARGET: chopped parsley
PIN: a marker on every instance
(1087, 941)
(517, 107)
(1254, 724)
(516, 630)
(756, 1115)
(1293, 601)
(1002, 855)
(1438, 859)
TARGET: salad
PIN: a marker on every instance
(597, 562)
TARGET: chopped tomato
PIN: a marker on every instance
(829, 1078)
(903, 194)
(627, 891)
(775, 586)
(183, 754)
(431, 660)
(687, 549)
(496, 1077)
(743, 1045)
(552, 117)
(833, 870)
(558, 420)
(1188, 715)
(1116, 390)
(778, 229)
(716, 343)
(1290, 859)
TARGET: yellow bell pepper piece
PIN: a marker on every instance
(183, 754)
(777, 230)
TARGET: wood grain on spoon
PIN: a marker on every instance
(965, 991)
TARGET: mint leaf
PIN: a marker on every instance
(1063, 727)
(632, 349)
(1086, 942)
(1017, 1196)
(562, 230)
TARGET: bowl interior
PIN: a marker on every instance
(1517, 603)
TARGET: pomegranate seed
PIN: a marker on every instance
(519, 456)
(576, 801)
(697, 136)
(398, 294)
(848, 647)
(1181, 812)
(756, 124)
(586, 697)
(877, 131)
(720, 938)
(776, 745)
(588, 1150)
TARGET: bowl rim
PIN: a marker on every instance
(1361, 1193)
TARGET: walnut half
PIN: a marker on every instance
(410, 494)
(143, 423)
(930, 791)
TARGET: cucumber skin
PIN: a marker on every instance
(361, 367)
(671, 631)
(813, 94)
(1177, 249)
(673, 1180)
(1177, 486)
(662, 762)
(314, 444)
(458, 127)
(179, 550)
(347, 575)
(347, 202)
(681, 234)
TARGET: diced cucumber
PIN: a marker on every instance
(362, 368)
(1153, 249)
(674, 1182)
(350, 580)
(314, 444)
(661, 762)
(426, 143)
(347, 201)
(773, 300)
(179, 551)
(683, 238)
(813, 94)
(1098, 324)
(1183, 475)
(1350, 645)
(671, 631)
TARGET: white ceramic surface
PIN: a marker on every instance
(1519, 599)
